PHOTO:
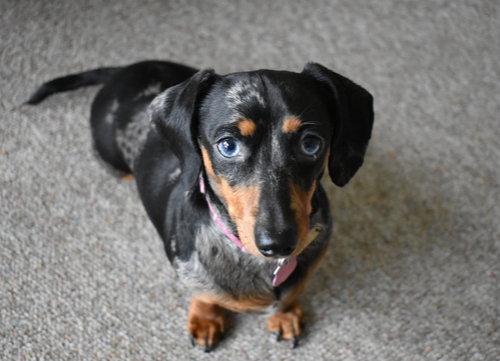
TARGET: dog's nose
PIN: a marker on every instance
(280, 245)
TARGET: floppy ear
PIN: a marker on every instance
(352, 112)
(173, 114)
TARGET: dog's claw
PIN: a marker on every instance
(287, 324)
(295, 339)
(208, 348)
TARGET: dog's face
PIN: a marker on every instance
(263, 140)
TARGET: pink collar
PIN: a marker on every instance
(284, 268)
(232, 237)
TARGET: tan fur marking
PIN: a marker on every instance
(291, 125)
(327, 157)
(127, 178)
(208, 165)
(242, 206)
(243, 304)
(301, 205)
(246, 127)
(206, 321)
(287, 323)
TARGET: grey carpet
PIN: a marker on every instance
(413, 271)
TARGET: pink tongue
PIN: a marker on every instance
(284, 271)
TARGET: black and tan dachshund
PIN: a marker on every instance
(229, 168)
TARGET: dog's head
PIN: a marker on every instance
(263, 140)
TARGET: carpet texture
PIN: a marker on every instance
(413, 270)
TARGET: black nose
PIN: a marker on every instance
(280, 244)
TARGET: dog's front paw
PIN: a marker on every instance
(206, 323)
(288, 324)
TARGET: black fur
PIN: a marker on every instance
(352, 110)
(72, 82)
(191, 112)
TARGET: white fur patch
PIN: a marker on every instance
(174, 175)
(152, 89)
(157, 102)
(110, 117)
(131, 140)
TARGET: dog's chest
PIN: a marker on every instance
(218, 266)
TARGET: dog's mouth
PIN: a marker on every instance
(286, 266)
(248, 245)
(314, 232)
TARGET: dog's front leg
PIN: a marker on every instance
(288, 323)
(206, 323)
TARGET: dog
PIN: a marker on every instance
(228, 169)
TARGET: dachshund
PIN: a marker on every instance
(228, 168)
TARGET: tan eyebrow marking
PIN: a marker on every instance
(246, 127)
(291, 125)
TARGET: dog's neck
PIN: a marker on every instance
(231, 236)
(284, 268)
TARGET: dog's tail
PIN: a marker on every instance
(72, 82)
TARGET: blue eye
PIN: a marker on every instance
(310, 145)
(229, 148)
